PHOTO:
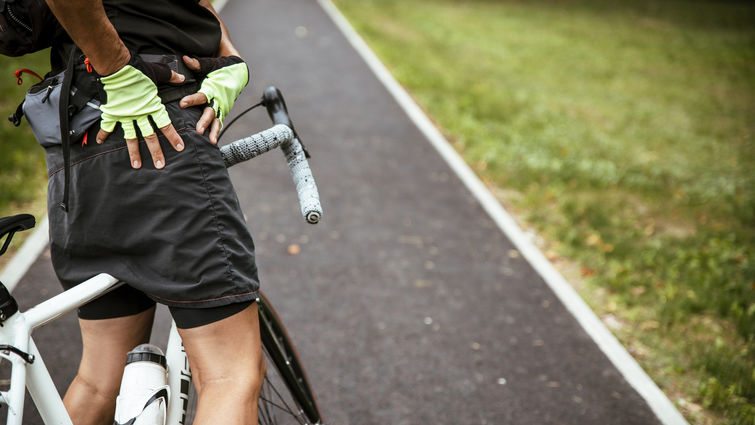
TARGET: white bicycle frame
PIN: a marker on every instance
(28, 369)
(29, 372)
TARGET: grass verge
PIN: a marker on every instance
(23, 173)
(624, 133)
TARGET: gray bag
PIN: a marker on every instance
(42, 109)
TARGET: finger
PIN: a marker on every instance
(153, 144)
(107, 125)
(128, 129)
(145, 127)
(102, 135)
(192, 63)
(173, 137)
(133, 153)
(193, 100)
(176, 78)
(205, 120)
(214, 130)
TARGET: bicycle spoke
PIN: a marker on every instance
(283, 408)
(287, 407)
(289, 393)
(265, 415)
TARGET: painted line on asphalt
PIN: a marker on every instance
(616, 353)
(26, 256)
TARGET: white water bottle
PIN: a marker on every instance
(144, 394)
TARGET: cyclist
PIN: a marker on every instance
(171, 229)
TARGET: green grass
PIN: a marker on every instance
(23, 173)
(624, 133)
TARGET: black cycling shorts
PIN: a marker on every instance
(126, 301)
(176, 236)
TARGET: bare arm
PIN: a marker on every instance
(89, 27)
(209, 119)
(91, 30)
(87, 24)
(226, 46)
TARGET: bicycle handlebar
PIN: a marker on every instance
(283, 135)
(256, 144)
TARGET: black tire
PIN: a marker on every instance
(286, 396)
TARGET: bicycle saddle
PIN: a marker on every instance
(13, 224)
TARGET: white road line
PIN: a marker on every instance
(25, 257)
(617, 354)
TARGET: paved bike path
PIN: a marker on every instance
(407, 304)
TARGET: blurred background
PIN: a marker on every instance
(622, 133)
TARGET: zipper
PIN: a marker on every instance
(44, 85)
(17, 20)
(47, 95)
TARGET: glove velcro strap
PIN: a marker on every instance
(208, 65)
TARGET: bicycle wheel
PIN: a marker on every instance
(286, 397)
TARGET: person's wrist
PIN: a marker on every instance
(117, 76)
(110, 65)
(228, 51)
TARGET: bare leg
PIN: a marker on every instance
(228, 368)
(90, 400)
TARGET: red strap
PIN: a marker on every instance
(89, 65)
(28, 71)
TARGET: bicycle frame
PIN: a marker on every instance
(27, 367)
(28, 370)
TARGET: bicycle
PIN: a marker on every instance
(287, 396)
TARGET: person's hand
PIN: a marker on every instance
(224, 79)
(132, 98)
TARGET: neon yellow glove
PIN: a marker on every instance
(131, 96)
(225, 78)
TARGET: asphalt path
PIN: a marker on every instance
(407, 304)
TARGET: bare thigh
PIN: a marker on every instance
(228, 368)
(91, 396)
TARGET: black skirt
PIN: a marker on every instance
(176, 234)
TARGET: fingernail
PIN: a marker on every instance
(136, 164)
(181, 78)
(180, 147)
(200, 129)
(159, 164)
(99, 141)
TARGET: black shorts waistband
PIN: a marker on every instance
(172, 92)
(167, 92)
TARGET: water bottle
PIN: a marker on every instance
(144, 394)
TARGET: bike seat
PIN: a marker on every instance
(13, 224)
